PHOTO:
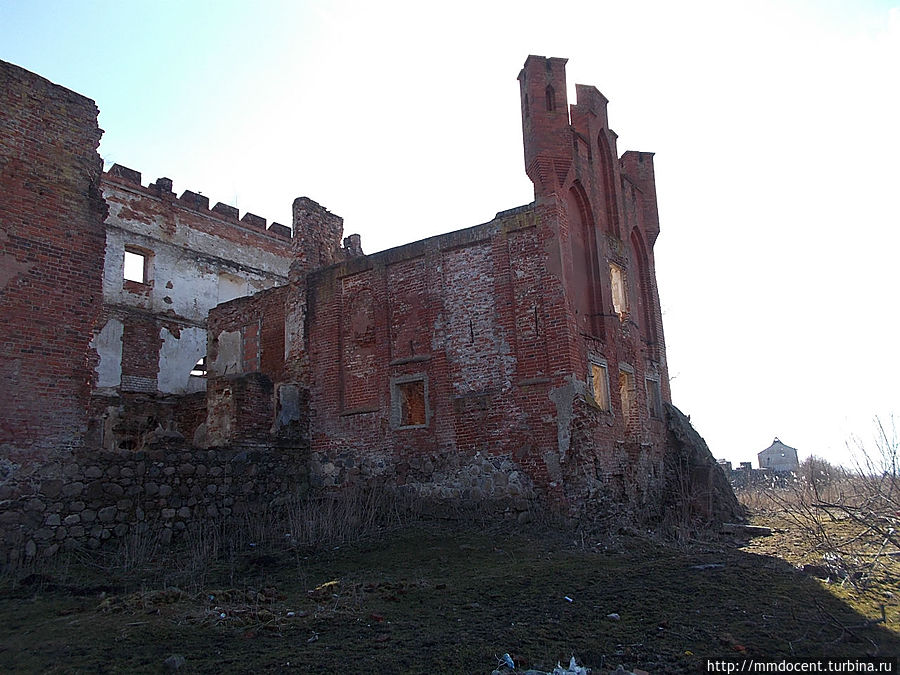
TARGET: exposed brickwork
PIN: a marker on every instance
(497, 326)
(239, 407)
(51, 249)
(458, 367)
(194, 258)
(260, 320)
(140, 339)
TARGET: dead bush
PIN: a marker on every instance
(850, 518)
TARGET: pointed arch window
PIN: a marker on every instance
(551, 98)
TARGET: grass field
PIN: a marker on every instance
(432, 597)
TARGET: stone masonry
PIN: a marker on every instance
(164, 363)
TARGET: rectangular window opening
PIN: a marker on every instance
(135, 266)
(410, 398)
(600, 385)
(626, 392)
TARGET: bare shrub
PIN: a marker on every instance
(849, 517)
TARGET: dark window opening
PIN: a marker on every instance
(654, 398)
(411, 400)
(551, 98)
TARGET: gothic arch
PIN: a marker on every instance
(585, 286)
(608, 184)
(645, 293)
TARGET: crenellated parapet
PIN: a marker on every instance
(195, 202)
(600, 222)
(572, 146)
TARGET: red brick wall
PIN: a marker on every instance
(242, 405)
(600, 209)
(140, 354)
(260, 319)
(51, 257)
(465, 312)
(239, 407)
(497, 324)
(501, 321)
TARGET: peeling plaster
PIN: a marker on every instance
(177, 357)
(288, 406)
(108, 345)
(228, 355)
(563, 397)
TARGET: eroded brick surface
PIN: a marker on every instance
(516, 360)
(51, 252)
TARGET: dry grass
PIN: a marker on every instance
(849, 519)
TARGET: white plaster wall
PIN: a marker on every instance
(108, 345)
(228, 358)
(177, 357)
(231, 287)
(191, 271)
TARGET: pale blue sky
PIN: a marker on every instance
(774, 125)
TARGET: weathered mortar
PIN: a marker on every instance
(51, 252)
(458, 367)
(102, 497)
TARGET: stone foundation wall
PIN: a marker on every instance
(441, 483)
(101, 497)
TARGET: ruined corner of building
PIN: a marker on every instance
(175, 361)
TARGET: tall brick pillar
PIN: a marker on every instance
(545, 122)
(52, 245)
(317, 237)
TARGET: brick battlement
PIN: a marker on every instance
(122, 176)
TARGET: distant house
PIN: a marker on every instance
(779, 458)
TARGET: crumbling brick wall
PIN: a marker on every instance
(85, 396)
(51, 248)
(152, 333)
(531, 345)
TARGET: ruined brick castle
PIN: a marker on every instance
(163, 361)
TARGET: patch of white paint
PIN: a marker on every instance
(228, 356)
(231, 287)
(177, 357)
(108, 345)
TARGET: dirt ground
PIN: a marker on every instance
(439, 598)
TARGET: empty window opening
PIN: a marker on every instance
(654, 398)
(551, 98)
(199, 370)
(600, 385)
(135, 267)
(626, 393)
(619, 296)
(411, 403)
